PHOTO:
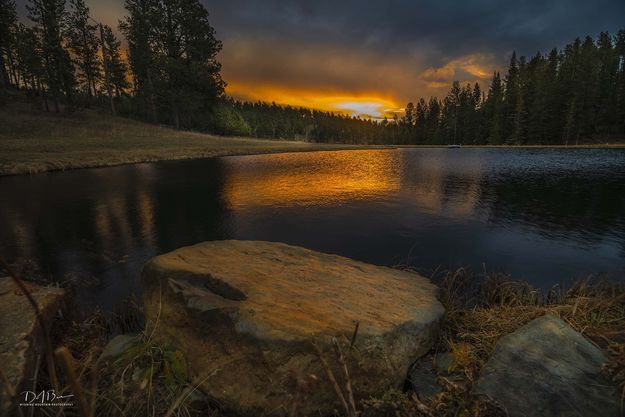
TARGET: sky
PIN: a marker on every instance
(372, 57)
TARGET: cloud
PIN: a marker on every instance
(257, 69)
(399, 50)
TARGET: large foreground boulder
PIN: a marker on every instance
(21, 341)
(248, 315)
(548, 369)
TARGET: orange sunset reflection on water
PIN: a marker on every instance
(287, 179)
(335, 178)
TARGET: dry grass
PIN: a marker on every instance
(33, 141)
(134, 377)
(481, 308)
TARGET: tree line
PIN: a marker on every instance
(169, 73)
(65, 59)
(567, 96)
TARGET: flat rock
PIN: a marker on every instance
(20, 338)
(246, 314)
(548, 369)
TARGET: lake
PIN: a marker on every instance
(543, 215)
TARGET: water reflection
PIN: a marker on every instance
(307, 179)
(541, 215)
(435, 189)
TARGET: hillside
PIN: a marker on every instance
(34, 141)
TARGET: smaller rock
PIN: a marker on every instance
(423, 375)
(548, 369)
(20, 337)
(443, 362)
(422, 379)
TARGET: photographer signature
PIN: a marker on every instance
(45, 398)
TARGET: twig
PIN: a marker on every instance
(63, 355)
(348, 381)
(35, 375)
(424, 409)
(332, 379)
(186, 393)
(94, 385)
(158, 314)
(42, 324)
(353, 341)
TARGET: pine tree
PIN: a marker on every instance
(549, 103)
(568, 75)
(586, 87)
(8, 20)
(190, 78)
(512, 105)
(139, 29)
(421, 112)
(83, 43)
(620, 82)
(433, 131)
(475, 116)
(28, 56)
(493, 111)
(607, 91)
(409, 114)
(117, 68)
(50, 19)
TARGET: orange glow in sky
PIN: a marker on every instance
(366, 105)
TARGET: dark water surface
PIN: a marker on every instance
(547, 216)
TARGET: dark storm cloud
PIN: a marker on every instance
(446, 28)
(414, 48)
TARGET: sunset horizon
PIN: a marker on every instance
(372, 63)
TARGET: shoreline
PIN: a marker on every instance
(116, 158)
(33, 142)
(17, 170)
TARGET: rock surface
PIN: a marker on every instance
(20, 338)
(247, 313)
(548, 369)
(423, 376)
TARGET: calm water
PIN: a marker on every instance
(543, 215)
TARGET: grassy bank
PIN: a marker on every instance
(33, 141)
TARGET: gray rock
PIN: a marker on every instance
(20, 338)
(246, 313)
(423, 379)
(548, 369)
(443, 362)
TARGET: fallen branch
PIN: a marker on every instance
(65, 357)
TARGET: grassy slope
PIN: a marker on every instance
(35, 141)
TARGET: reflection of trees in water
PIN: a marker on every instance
(585, 204)
(88, 224)
(190, 208)
(440, 182)
(556, 202)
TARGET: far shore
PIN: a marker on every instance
(35, 142)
